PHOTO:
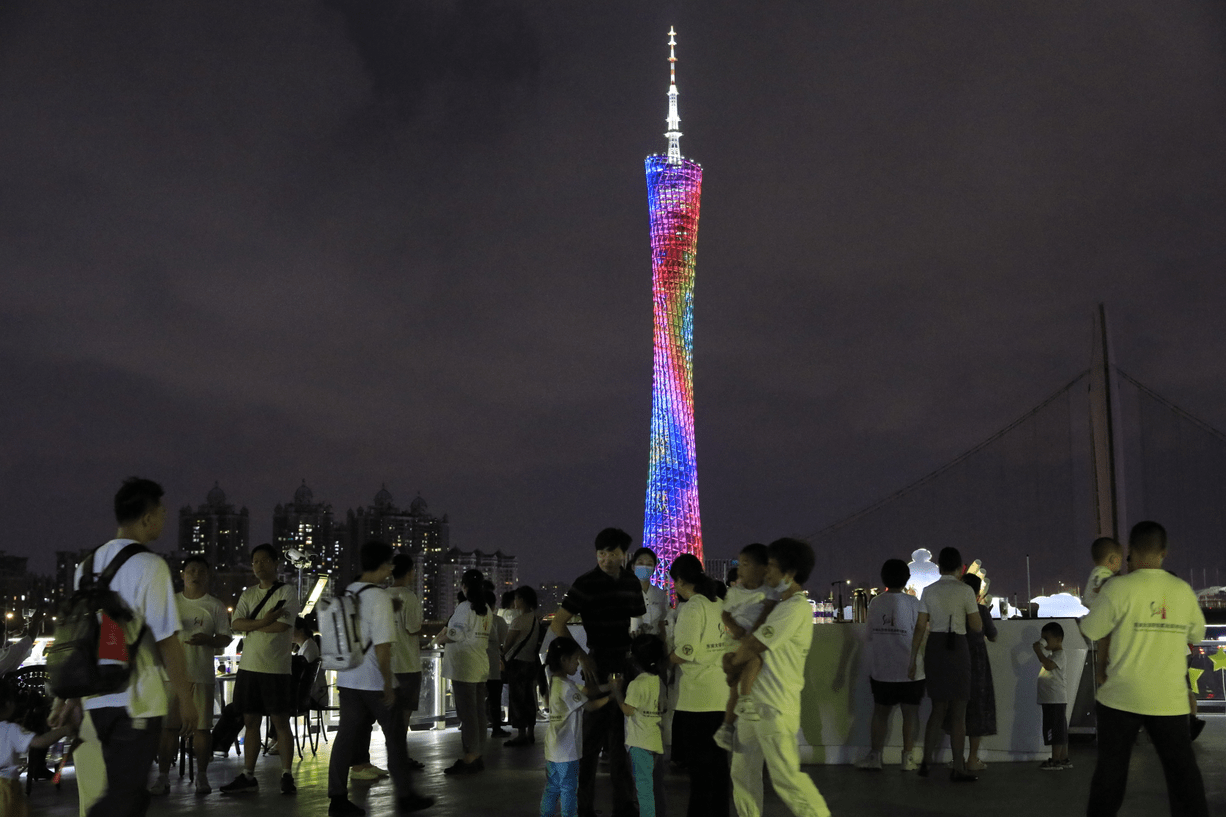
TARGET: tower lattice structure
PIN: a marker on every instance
(672, 523)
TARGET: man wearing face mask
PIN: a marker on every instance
(607, 597)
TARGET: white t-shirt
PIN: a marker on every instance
(891, 626)
(948, 601)
(745, 606)
(562, 738)
(465, 657)
(701, 641)
(1094, 585)
(493, 650)
(1152, 616)
(656, 602)
(145, 585)
(787, 634)
(1052, 687)
(643, 727)
(406, 649)
(205, 615)
(264, 651)
(377, 625)
(14, 742)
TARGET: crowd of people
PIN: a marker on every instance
(712, 684)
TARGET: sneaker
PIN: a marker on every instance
(242, 785)
(287, 784)
(160, 786)
(961, 777)
(203, 790)
(908, 761)
(499, 732)
(369, 773)
(976, 766)
(724, 735)
(870, 763)
(1066, 764)
(416, 765)
(1051, 766)
(342, 807)
(413, 802)
(460, 767)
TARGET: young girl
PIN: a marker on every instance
(564, 738)
(642, 705)
(14, 742)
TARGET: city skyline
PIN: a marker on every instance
(404, 242)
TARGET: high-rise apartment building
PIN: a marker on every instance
(416, 531)
(216, 531)
(672, 524)
(498, 567)
(308, 526)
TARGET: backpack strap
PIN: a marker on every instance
(275, 587)
(528, 636)
(359, 610)
(120, 558)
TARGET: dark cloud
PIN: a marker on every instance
(407, 242)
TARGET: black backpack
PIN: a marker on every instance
(90, 655)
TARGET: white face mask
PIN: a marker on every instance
(783, 586)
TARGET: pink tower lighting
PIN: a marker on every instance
(672, 523)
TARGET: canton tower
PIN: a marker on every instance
(672, 524)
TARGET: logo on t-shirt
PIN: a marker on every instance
(1156, 609)
(768, 631)
(687, 650)
(887, 619)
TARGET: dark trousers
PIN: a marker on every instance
(605, 728)
(493, 697)
(128, 750)
(710, 778)
(1117, 732)
(359, 709)
(521, 694)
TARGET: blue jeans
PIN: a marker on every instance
(648, 771)
(561, 786)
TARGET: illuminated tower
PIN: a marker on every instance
(672, 524)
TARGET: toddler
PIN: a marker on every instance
(1108, 557)
(746, 605)
(564, 737)
(1053, 696)
(642, 704)
(14, 742)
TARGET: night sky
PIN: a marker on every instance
(406, 242)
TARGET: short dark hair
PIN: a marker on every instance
(688, 568)
(402, 565)
(527, 595)
(507, 599)
(793, 555)
(195, 558)
(634, 557)
(272, 552)
(375, 554)
(1053, 628)
(301, 623)
(756, 553)
(949, 559)
(135, 498)
(1147, 537)
(1104, 546)
(613, 539)
(895, 574)
(973, 581)
(732, 575)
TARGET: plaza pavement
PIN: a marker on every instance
(511, 786)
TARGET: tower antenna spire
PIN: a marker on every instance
(674, 120)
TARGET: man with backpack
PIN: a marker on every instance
(367, 691)
(265, 615)
(120, 730)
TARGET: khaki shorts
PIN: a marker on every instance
(203, 696)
